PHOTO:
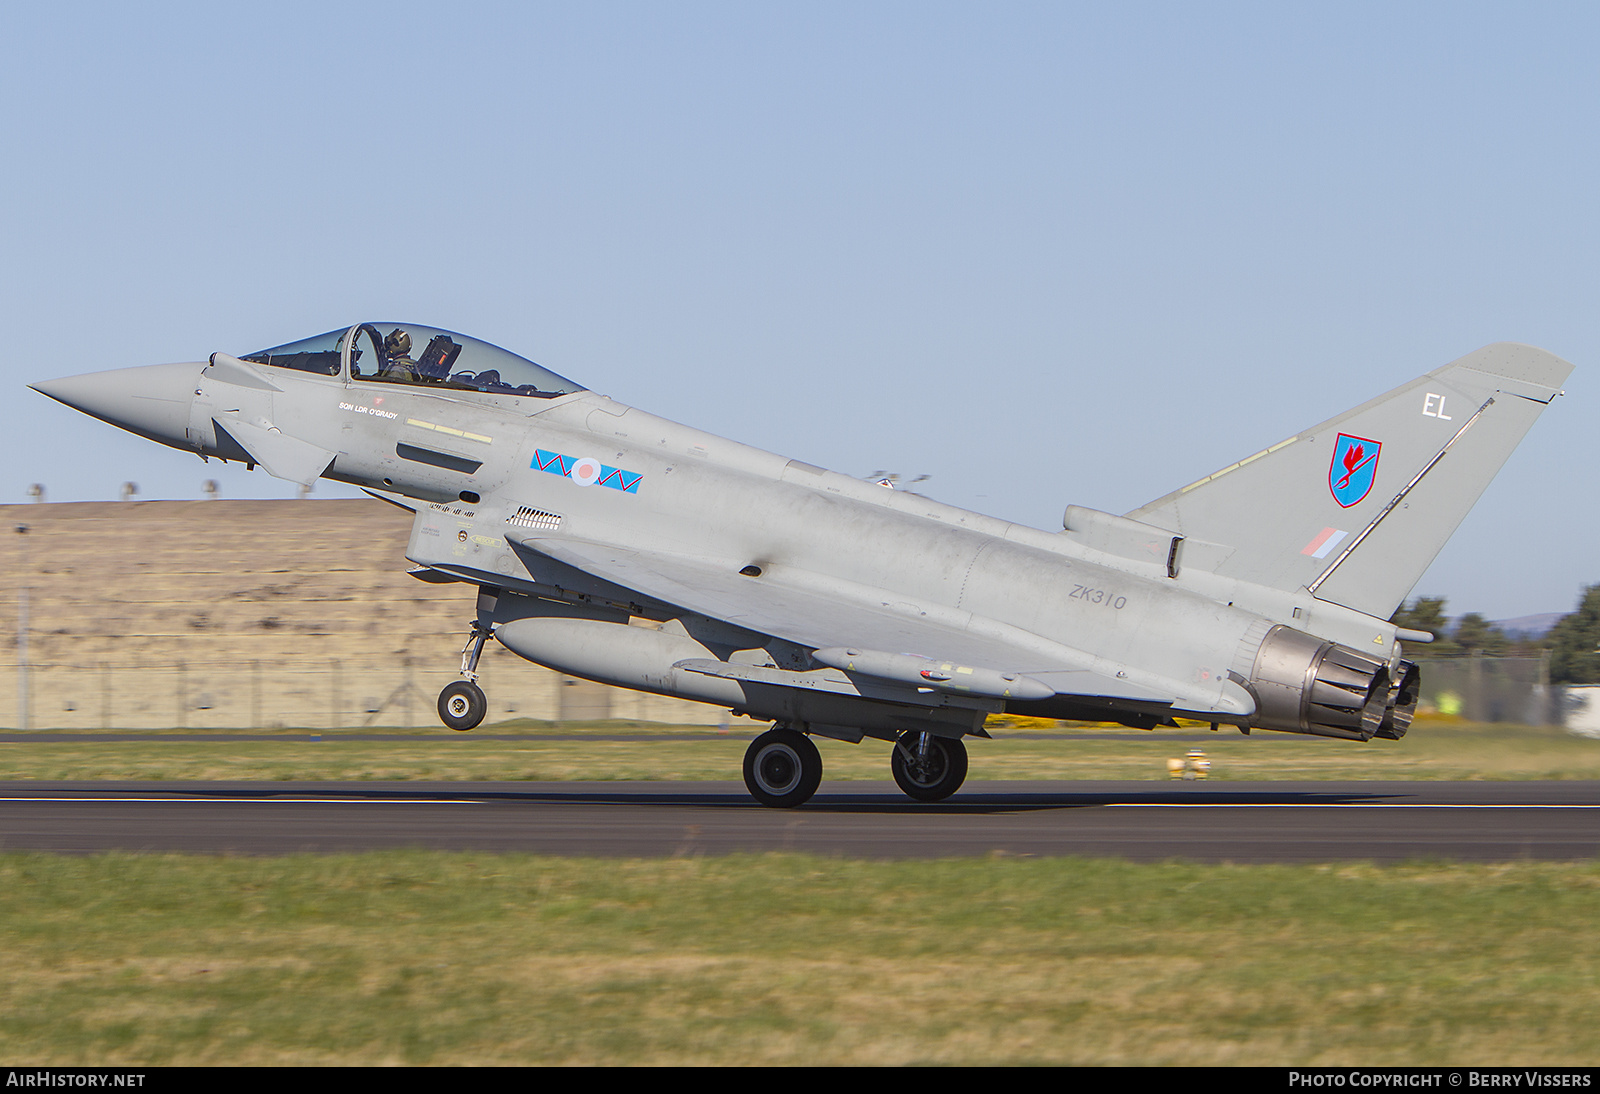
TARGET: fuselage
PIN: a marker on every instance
(487, 446)
(671, 488)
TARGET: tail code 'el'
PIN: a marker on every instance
(1356, 508)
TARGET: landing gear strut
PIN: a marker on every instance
(782, 768)
(927, 767)
(462, 703)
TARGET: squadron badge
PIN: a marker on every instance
(1354, 468)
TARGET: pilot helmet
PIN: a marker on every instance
(398, 344)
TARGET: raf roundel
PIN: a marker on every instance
(585, 471)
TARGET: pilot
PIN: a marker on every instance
(397, 353)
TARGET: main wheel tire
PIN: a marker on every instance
(782, 768)
(937, 776)
(462, 705)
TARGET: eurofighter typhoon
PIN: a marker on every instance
(616, 546)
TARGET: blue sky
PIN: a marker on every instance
(1046, 254)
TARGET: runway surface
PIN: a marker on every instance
(1205, 821)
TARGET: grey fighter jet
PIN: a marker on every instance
(616, 546)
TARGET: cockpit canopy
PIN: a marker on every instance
(406, 353)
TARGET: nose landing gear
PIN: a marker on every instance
(462, 703)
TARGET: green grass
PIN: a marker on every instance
(1430, 751)
(423, 958)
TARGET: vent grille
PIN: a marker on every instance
(534, 518)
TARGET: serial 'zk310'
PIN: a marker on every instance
(1257, 596)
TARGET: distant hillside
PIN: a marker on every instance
(1529, 626)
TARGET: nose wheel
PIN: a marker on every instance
(782, 768)
(462, 705)
(928, 768)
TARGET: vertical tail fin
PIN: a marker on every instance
(1356, 508)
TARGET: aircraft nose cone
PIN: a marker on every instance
(151, 400)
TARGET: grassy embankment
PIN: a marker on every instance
(1434, 750)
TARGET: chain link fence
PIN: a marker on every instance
(323, 695)
(401, 693)
(1493, 689)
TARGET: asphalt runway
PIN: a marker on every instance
(1203, 821)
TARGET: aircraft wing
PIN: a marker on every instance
(832, 616)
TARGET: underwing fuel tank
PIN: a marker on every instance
(617, 654)
(1306, 684)
(669, 663)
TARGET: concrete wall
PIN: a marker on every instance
(242, 614)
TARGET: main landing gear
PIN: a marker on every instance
(928, 768)
(782, 768)
(462, 703)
